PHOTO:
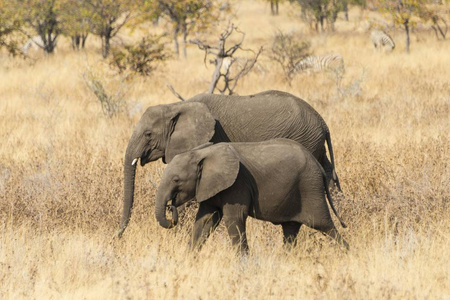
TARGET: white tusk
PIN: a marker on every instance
(134, 161)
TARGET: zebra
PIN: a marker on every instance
(36, 43)
(382, 40)
(330, 62)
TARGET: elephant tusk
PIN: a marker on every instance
(134, 161)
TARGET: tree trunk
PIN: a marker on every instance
(216, 75)
(106, 45)
(407, 35)
(175, 41)
(185, 33)
(346, 10)
(49, 43)
(83, 40)
(76, 39)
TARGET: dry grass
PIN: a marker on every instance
(61, 181)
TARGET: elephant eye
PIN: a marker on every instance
(148, 134)
(176, 179)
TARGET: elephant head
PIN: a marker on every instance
(163, 132)
(198, 174)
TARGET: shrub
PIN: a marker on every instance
(113, 103)
(287, 50)
(141, 58)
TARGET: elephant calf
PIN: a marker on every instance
(277, 181)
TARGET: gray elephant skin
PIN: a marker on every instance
(277, 181)
(167, 130)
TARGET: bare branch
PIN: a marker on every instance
(224, 59)
(170, 87)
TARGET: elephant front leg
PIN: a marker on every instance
(206, 221)
(235, 219)
(236, 231)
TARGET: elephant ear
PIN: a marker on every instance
(190, 125)
(218, 169)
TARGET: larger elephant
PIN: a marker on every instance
(167, 130)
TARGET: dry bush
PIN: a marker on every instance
(141, 58)
(61, 165)
(288, 50)
(112, 101)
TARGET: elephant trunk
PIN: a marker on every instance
(129, 177)
(160, 212)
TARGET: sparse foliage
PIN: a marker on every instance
(109, 16)
(111, 103)
(187, 16)
(288, 50)
(321, 15)
(439, 25)
(224, 57)
(405, 13)
(43, 17)
(319, 12)
(76, 22)
(141, 58)
(9, 26)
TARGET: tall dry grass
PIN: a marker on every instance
(61, 180)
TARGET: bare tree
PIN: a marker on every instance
(224, 58)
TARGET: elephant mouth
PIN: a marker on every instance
(172, 208)
(146, 157)
(172, 202)
(151, 155)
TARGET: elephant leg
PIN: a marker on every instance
(235, 218)
(206, 221)
(330, 230)
(337, 236)
(290, 231)
(315, 211)
(236, 231)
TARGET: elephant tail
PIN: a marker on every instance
(330, 199)
(330, 149)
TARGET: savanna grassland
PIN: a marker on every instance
(61, 164)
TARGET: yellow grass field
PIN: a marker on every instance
(61, 164)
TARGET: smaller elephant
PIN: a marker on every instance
(277, 181)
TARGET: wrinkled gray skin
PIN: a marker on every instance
(277, 181)
(167, 130)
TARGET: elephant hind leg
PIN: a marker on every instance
(290, 232)
(337, 236)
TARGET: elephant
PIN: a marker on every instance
(167, 130)
(278, 181)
